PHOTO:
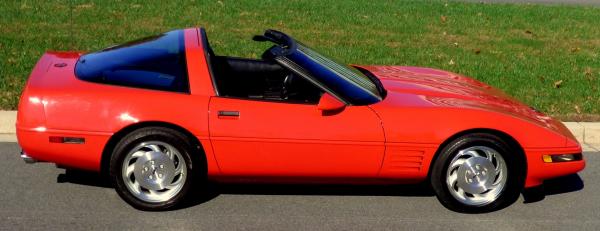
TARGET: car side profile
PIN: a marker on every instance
(163, 113)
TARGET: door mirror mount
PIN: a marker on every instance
(328, 103)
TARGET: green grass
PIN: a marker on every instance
(522, 49)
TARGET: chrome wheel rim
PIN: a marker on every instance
(476, 175)
(154, 171)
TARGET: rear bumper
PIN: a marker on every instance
(538, 170)
(37, 147)
(27, 158)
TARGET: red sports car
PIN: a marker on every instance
(163, 113)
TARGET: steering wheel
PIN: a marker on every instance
(287, 89)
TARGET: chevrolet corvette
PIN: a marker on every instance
(164, 113)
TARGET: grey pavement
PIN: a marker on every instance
(42, 197)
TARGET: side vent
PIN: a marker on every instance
(402, 161)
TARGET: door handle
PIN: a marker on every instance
(229, 113)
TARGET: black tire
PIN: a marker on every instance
(195, 168)
(515, 177)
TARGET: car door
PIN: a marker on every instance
(280, 139)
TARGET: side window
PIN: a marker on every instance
(257, 79)
(156, 62)
(261, 80)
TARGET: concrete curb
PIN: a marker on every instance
(587, 133)
(7, 122)
(7, 126)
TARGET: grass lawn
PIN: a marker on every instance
(547, 56)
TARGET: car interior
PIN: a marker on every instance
(261, 79)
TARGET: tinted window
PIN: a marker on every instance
(156, 62)
(343, 71)
(351, 85)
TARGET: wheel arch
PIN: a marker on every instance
(502, 135)
(116, 137)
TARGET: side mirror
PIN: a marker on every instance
(330, 103)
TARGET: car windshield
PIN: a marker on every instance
(343, 82)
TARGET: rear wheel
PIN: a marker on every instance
(152, 168)
(477, 173)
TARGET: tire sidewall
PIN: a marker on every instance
(514, 181)
(129, 142)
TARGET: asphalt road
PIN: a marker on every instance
(40, 196)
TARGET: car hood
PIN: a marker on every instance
(437, 88)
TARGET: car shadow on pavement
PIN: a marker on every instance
(84, 178)
(417, 190)
(97, 180)
(210, 190)
(565, 184)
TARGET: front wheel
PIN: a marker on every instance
(152, 168)
(477, 173)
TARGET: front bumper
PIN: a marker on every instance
(540, 169)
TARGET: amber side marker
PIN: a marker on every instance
(562, 158)
(66, 140)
